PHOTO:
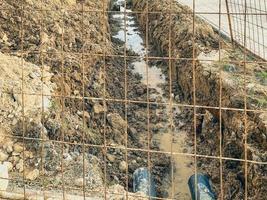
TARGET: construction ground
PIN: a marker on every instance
(92, 90)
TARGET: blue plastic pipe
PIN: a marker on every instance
(200, 189)
(143, 182)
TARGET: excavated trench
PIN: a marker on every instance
(240, 135)
(174, 130)
(171, 126)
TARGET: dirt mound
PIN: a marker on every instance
(72, 44)
(25, 90)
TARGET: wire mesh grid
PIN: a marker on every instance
(255, 25)
(162, 161)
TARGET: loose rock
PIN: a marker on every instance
(3, 156)
(79, 182)
(123, 166)
(32, 175)
(19, 166)
(3, 177)
(111, 157)
(116, 121)
(9, 165)
(99, 108)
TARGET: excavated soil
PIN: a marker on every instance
(64, 48)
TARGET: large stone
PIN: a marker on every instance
(116, 192)
(3, 177)
(8, 146)
(111, 157)
(3, 156)
(116, 121)
(18, 148)
(123, 166)
(32, 175)
(9, 165)
(27, 154)
(99, 108)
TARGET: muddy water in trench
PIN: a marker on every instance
(154, 77)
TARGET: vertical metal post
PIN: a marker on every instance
(229, 21)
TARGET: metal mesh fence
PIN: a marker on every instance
(253, 23)
(102, 88)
